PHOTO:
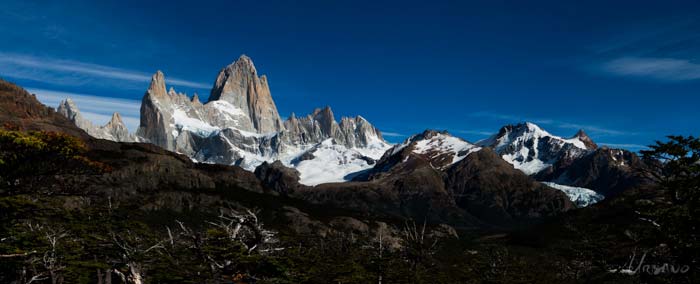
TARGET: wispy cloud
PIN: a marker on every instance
(475, 132)
(70, 72)
(95, 108)
(392, 134)
(593, 129)
(665, 69)
(627, 146)
(586, 127)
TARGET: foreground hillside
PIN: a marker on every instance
(75, 209)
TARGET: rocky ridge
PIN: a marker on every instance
(114, 130)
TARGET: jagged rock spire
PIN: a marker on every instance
(195, 99)
(116, 118)
(157, 86)
(239, 84)
(326, 119)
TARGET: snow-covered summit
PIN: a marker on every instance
(439, 148)
(531, 149)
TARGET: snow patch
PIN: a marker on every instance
(582, 197)
(183, 122)
(334, 163)
(228, 108)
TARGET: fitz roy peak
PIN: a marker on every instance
(239, 125)
(239, 85)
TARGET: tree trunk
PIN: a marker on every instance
(108, 276)
(135, 274)
(99, 276)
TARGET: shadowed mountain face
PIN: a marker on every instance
(437, 175)
(604, 170)
(22, 109)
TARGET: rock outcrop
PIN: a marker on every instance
(587, 141)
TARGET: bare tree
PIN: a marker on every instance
(134, 251)
(245, 228)
(51, 259)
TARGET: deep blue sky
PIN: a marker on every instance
(627, 72)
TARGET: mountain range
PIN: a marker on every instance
(239, 125)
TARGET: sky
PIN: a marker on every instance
(627, 72)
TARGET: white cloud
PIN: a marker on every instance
(665, 69)
(75, 73)
(95, 108)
